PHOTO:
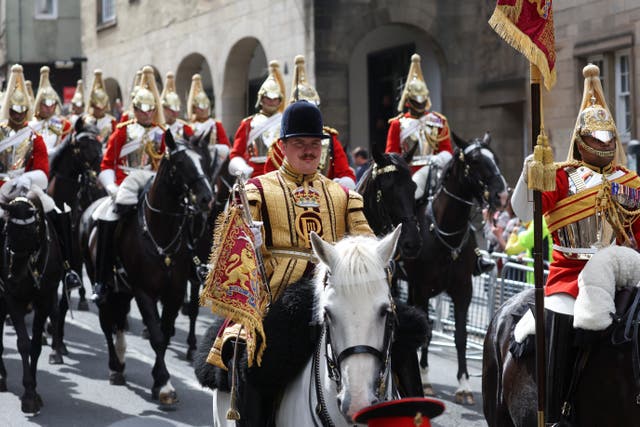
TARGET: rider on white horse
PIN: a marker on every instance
(132, 156)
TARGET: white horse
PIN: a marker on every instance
(350, 369)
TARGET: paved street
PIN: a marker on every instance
(77, 393)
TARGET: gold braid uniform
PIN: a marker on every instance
(292, 205)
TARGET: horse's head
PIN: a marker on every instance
(80, 152)
(355, 305)
(388, 193)
(185, 174)
(199, 143)
(482, 177)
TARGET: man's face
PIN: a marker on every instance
(98, 112)
(202, 114)
(592, 158)
(170, 116)
(77, 109)
(303, 153)
(144, 118)
(46, 111)
(17, 119)
(269, 105)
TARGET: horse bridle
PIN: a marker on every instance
(387, 222)
(334, 362)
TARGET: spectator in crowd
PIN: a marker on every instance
(361, 161)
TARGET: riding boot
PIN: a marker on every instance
(482, 265)
(105, 261)
(62, 224)
(560, 361)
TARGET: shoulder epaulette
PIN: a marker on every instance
(127, 123)
(330, 130)
(248, 118)
(438, 114)
(395, 118)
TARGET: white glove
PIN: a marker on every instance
(112, 190)
(347, 182)
(525, 168)
(222, 151)
(108, 180)
(239, 167)
(442, 158)
(256, 229)
(521, 198)
(22, 182)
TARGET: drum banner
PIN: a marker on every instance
(527, 25)
(232, 288)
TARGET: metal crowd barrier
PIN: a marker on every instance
(490, 291)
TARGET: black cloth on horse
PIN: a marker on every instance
(527, 346)
(208, 375)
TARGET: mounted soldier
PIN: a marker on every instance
(98, 107)
(257, 133)
(136, 85)
(180, 129)
(594, 206)
(24, 164)
(333, 160)
(47, 119)
(132, 156)
(199, 112)
(77, 103)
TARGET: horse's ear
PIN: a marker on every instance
(169, 141)
(387, 246)
(377, 153)
(323, 250)
(461, 143)
(79, 123)
(486, 139)
(408, 155)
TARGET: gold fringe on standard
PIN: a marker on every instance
(506, 28)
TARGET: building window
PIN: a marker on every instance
(46, 9)
(106, 12)
(623, 95)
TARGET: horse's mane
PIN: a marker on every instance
(358, 271)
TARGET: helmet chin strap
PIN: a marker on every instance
(599, 153)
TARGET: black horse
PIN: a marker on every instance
(155, 257)
(447, 259)
(73, 181)
(30, 274)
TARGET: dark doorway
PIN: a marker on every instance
(387, 70)
(252, 93)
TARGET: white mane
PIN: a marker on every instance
(359, 273)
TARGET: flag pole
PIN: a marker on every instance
(538, 266)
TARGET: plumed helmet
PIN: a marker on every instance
(16, 97)
(169, 97)
(98, 96)
(594, 118)
(78, 95)
(301, 88)
(302, 118)
(136, 84)
(147, 97)
(46, 94)
(30, 94)
(415, 87)
(197, 97)
(273, 86)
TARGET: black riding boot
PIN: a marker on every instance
(482, 265)
(105, 261)
(62, 224)
(560, 361)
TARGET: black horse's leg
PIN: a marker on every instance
(107, 324)
(193, 315)
(424, 352)
(3, 369)
(28, 399)
(159, 341)
(461, 308)
(42, 308)
(57, 342)
(52, 307)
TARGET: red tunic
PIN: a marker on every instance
(338, 168)
(563, 272)
(39, 159)
(240, 147)
(393, 137)
(112, 159)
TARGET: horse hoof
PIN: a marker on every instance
(166, 399)
(3, 385)
(464, 398)
(117, 378)
(30, 406)
(55, 358)
(145, 333)
(83, 305)
(428, 390)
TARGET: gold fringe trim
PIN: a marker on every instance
(506, 29)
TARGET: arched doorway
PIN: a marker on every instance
(191, 64)
(244, 72)
(377, 70)
(113, 90)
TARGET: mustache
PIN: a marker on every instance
(308, 157)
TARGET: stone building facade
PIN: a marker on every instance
(358, 53)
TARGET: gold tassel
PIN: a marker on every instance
(542, 170)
